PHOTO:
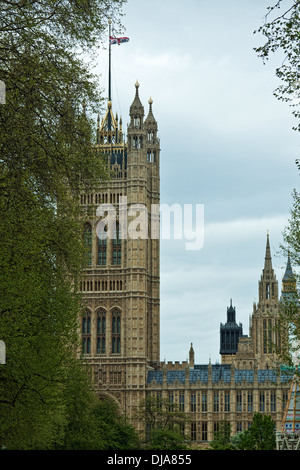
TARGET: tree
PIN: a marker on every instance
(282, 32)
(164, 424)
(260, 436)
(99, 427)
(290, 314)
(222, 439)
(46, 157)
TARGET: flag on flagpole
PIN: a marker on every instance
(117, 40)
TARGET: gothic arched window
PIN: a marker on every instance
(117, 245)
(101, 331)
(116, 332)
(102, 250)
(86, 332)
(87, 237)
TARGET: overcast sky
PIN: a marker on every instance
(226, 142)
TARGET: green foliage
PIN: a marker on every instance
(222, 440)
(164, 424)
(260, 436)
(289, 314)
(99, 426)
(46, 157)
(282, 33)
(166, 439)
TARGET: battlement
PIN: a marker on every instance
(177, 365)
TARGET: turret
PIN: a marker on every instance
(230, 333)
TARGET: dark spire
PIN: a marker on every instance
(288, 275)
(289, 285)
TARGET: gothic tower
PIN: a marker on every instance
(230, 334)
(120, 288)
(265, 317)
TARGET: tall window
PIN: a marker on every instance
(204, 431)
(193, 402)
(181, 402)
(117, 245)
(116, 332)
(238, 402)
(216, 401)
(273, 401)
(86, 332)
(262, 401)
(101, 331)
(171, 401)
(227, 401)
(102, 250)
(87, 237)
(204, 402)
(250, 401)
(193, 431)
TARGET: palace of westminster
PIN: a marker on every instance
(120, 325)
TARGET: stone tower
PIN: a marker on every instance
(265, 317)
(120, 322)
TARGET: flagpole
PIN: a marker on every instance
(109, 71)
(109, 77)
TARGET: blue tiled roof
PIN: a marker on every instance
(266, 374)
(173, 375)
(199, 373)
(219, 372)
(240, 375)
(156, 375)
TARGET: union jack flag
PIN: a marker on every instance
(117, 40)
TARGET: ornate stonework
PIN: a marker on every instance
(120, 325)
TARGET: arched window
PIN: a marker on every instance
(102, 250)
(116, 245)
(116, 332)
(86, 332)
(87, 237)
(101, 331)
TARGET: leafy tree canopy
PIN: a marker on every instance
(46, 154)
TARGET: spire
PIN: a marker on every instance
(288, 275)
(150, 119)
(137, 108)
(268, 285)
(289, 285)
(268, 258)
(191, 356)
(231, 313)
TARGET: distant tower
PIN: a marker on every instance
(265, 318)
(290, 306)
(289, 287)
(230, 334)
